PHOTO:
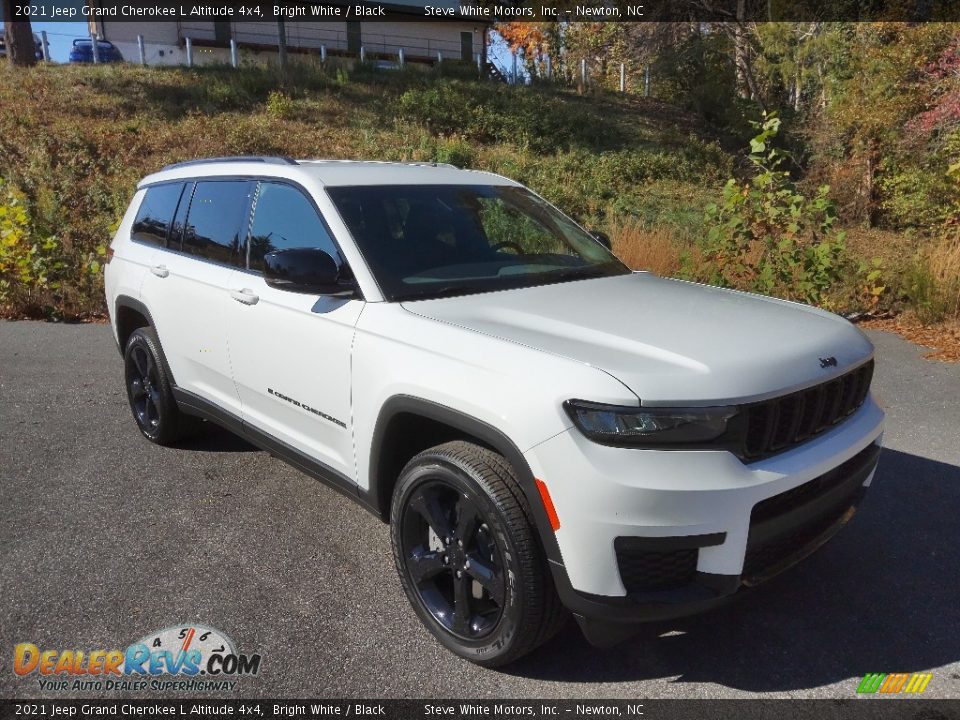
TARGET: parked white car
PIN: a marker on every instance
(542, 428)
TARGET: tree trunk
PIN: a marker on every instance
(797, 88)
(18, 36)
(752, 82)
(869, 185)
(741, 52)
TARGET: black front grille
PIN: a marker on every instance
(645, 570)
(776, 425)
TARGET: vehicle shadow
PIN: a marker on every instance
(880, 597)
(210, 437)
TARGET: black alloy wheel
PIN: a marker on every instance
(453, 559)
(143, 386)
(150, 391)
(468, 555)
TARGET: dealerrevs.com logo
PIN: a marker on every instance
(186, 657)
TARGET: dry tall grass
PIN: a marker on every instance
(645, 248)
(942, 261)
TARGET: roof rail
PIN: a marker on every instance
(408, 163)
(272, 160)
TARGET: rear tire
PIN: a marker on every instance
(468, 555)
(149, 390)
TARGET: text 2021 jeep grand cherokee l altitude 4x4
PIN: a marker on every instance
(541, 427)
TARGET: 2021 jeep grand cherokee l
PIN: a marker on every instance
(542, 428)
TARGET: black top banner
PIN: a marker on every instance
(319, 11)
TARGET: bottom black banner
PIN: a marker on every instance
(873, 708)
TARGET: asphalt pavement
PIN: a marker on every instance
(105, 537)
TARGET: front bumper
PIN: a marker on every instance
(651, 535)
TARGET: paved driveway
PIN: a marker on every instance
(104, 537)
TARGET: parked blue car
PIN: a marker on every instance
(82, 51)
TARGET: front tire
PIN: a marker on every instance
(149, 390)
(468, 555)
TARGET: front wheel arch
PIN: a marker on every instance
(390, 450)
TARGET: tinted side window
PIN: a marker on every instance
(284, 218)
(155, 213)
(215, 223)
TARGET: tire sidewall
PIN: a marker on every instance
(141, 338)
(502, 638)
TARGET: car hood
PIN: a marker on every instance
(669, 341)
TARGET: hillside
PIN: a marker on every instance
(75, 140)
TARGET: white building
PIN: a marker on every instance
(421, 40)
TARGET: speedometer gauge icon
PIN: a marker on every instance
(179, 640)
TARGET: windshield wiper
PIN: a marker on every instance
(443, 291)
(573, 273)
(521, 280)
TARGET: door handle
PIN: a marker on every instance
(245, 296)
(160, 271)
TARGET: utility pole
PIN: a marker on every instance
(282, 43)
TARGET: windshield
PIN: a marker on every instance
(424, 241)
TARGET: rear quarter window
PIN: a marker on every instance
(156, 212)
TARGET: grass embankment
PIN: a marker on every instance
(75, 140)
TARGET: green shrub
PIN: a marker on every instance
(436, 107)
(914, 197)
(29, 263)
(699, 74)
(540, 118)
(225, 94)
(456, 152)
(768, 237)
(280, 105)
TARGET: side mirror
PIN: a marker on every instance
(305, 270)
(602, 238)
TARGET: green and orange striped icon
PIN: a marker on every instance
(890, 683)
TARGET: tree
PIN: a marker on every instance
(872, 96)
(18, 36)
(537, 41)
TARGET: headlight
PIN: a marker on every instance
(639, 426)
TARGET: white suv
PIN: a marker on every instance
(542, 428)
